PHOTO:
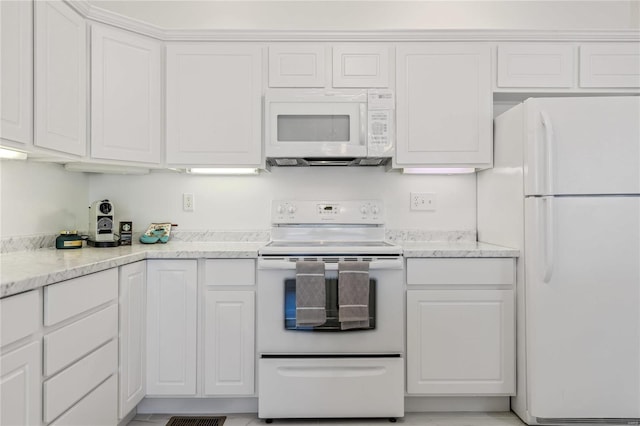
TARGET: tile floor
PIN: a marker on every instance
(412, 419)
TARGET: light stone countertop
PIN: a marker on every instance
(28, 270)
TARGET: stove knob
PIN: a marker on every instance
(364, 210)
(291, 209)
(375, 210)
(280, 209)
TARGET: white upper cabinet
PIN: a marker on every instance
(297, 65)
(361, 65)
(444, 105)
(536, 65)
(60, 78)
(16, 71)
(214, 104)
(610, 65)
(321, 65)
(125, 96)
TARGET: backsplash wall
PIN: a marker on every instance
(243, 202)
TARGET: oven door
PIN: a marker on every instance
(315, 129)
(277, 335)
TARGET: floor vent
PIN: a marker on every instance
(196, 421)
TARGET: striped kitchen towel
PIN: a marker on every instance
(311, 296)
(353, 295)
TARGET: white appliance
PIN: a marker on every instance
(324, 370)
(565, 190)
(329, 127)
(101, 222)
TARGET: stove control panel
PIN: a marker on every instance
(323, 211)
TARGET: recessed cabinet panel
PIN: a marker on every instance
(125, 96)
(444, 105)
(297, 65)
(214, 104)
(610, 65)
(60, 78)
(20, 387)
(19, 316)
(360, 65)
(460, 342)
(536, 65)
(229, 343)
(16, 72)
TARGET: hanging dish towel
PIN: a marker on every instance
(310, 294)
(353, 295)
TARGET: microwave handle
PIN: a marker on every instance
(363, 125)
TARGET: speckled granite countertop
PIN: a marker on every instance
(27, 270)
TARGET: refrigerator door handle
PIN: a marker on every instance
(548, 240)
(548, 133)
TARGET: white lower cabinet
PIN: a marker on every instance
(80, 350)
(171, 327)
(229, 327)
(133, 332)
(461, 327)
(20, 397)
(229, 342)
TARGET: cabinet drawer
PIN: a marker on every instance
(72, 342)
(69, 298)
(65, 389)
(535, 65)
(488, 271)
(99, 408)
(19, 316)
(610, 65)
(230, 272)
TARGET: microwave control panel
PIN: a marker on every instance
(380, 115)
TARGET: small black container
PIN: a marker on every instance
(68, 240)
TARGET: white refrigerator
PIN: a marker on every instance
(565, 190)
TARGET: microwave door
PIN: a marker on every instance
(326, 129)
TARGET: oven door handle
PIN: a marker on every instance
(267, 263)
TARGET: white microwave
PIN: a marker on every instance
(329, 127)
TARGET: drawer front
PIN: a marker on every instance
(230, 272)
(19, 316)
(69, 298)
(72, 342)
(291, 388)
(481, 271)
(535, 65)
(99, 408)
(71, 385)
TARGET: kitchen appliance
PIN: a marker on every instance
(325, 370)
(565, 190)
(101, 224)
(305, 127)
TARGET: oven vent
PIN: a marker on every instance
(350, 259)
(330, 259)
(367, 259)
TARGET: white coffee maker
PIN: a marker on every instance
(101, 222)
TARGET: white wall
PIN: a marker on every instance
(381, 15)
(40, 198)
(243, 202)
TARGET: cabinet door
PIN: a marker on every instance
(444, 104)
(125, 96)
(610, 65)
(297, 65)
(60, 78)
(536, 65)
(460, 342)
(361, 65)
(133, 328)
(171, 327)
(214, 104)
(16, 72)
(20, 389)
(229, 343)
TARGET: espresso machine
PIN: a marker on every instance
(101, 224)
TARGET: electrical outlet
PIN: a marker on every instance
(423, 201)
(187, 202)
